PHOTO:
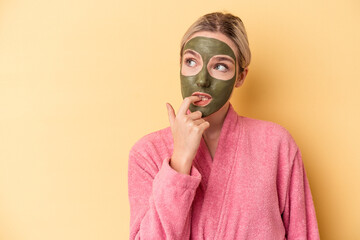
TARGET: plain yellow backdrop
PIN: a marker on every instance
(81, 81)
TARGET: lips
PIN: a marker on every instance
(205, 99)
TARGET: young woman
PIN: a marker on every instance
(214, 174)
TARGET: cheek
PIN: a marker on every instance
(221, 91)
(187, 84)
(220, 86)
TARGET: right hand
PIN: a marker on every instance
(187, 130)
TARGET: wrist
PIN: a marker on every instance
(180, 165)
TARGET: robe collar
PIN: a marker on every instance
(226, 147)
(217, 172)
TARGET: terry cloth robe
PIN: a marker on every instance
(255, 187)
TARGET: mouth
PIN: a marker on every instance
(205, 99)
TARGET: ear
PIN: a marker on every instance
(241, 78)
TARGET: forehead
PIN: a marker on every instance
(208, 46)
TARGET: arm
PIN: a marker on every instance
(160, 203)
(299, 216)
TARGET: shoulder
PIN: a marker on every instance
(264, 127)
(272, 140)
(152, 148)
(270, 133)
(153, 140)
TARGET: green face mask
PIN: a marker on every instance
(219, 90)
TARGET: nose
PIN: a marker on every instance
(203, 79)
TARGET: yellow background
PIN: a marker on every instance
(81, 81)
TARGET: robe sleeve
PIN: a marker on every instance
(160, 203)
(299, 215)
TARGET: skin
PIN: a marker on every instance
(189, 127)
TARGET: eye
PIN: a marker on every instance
(190, 62)
(221, 67)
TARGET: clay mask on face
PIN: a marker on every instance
(204, 82)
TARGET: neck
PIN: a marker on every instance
(216, 121)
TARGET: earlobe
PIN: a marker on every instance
(241, 78)
(239, 82)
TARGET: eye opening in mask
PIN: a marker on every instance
(222, 67)
(192, 63)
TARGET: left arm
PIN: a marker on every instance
(299, 215)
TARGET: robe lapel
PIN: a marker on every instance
(203, 163)
(216, 173)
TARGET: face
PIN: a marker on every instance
(208, 69)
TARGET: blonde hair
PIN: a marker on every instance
(227, 24)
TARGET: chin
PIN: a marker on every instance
(218, 110)
(207, 113)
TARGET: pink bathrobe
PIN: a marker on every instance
(254, 188)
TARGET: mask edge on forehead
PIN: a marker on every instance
(202, 38)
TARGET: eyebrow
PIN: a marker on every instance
(225, 59)
(219, 58)
(191, 52)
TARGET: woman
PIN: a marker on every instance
(214, 174)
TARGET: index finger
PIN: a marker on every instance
(186, 104)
